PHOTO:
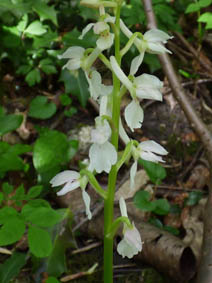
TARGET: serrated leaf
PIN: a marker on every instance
(7, 235)
(40, 243)
(33, 77)
(45, 12)
(142, 201)
(34, 191)
(155, 171)
(41, 108)
(11, 267)
(50, 150)
(10, 123)
(35, 28)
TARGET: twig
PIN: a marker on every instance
(87, 248)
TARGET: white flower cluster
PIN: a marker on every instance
(102, 153)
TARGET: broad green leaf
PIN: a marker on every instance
(35, 28)
(52, 280)
(33, 77)
(72, 39)
(20, 148)
(43, 216)
(65, 99)
(40, 243)
(40, 108)
(142, 201)
(19, 193)
(204, 3)
(193, 7)
(162, 206)
(193, 198)
(206, 18)
(34, 191)
(10, 123)
(23, 69)
(7, 188)
(155, 171)
(156, 222)
(23, 23)
(1, 198)
(7, 212)
(152, 61)
(11, 231)
(11, 267)
(45, 12)
(50, 150)
(76, 85)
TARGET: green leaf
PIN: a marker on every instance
(50, 150)
(40, 108)
(11, 267)
(45, 12)
(33, 77)
(23, 69)
(35, 28)
(155, 171)
(23, 23)
(70, 112)
(74, 145)
(152, 61)
(10, 123)
(7, 235)
(204, 3)
(174, 231)
(19, 193)
(1, 198)
(142, 201)
(206, 18)
(193, 198)
(7, 188)
(162, 206)
(65, 99)
(156, 222)
(6, 213)
(52, 280)
(34, 191)
(76, 85)
(41, 216)
(193, 7)
(40, 243)
(47, 66)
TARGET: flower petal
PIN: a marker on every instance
(72, 52)
(149, 156)
(120, 74)
(63, 177)
(136, 62)
(133, 171)
(100, 27)
(157, 48)
(123, 207)
(156, 35)
(87, 201)
(85, 30)
(153, 147)
(102, 132)
(105, 42)
(134, 115)
(102, 157)
(70, 186)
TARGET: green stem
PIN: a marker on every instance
(109, 202)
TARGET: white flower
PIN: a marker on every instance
(76, 55)
(102, 29)
(102, 153)
(148, 150)
(72, 181)
(152, 41)
(134, 115)
(144, 86)
(96, 87)
(131, 244)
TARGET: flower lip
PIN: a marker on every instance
(64, 177)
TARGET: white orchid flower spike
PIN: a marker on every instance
(131, 244)
(75, 54)
(102, 153)
(102, 29)
(71, 181)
